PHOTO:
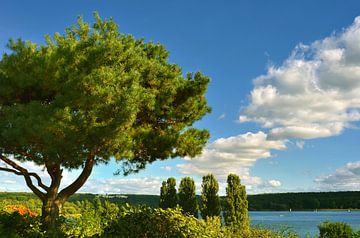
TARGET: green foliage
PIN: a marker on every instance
(96, 91)
(103, 219)
(236, 209)
(90, 95)
(94, 217)
(187, 196)
(335, 230)
(210, 201)
(168, 195)
(147, 222)
(13, 225)
(163, 197)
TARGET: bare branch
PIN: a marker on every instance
(11, 171)
(22, 171)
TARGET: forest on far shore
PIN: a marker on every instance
(259, 202)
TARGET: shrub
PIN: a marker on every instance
(148, 222)
(95, 216)
(335, 230)
(14, 225)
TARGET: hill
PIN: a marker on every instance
(260, 202)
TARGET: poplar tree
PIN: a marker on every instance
(236, 208)
(162, 203)
(210, 201)
(171, 194)
(88, 96)
(187, 196)
(168, 195)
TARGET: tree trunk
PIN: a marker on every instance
(50, 213)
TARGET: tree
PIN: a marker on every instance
(90, 95)
(168, 196)
(162, 202)
(187, 196)
(210, 201)
(171, 195)
(236, 208)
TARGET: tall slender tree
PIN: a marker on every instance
(90, 95)
(163, 192)
(236, 208)
(168, 195)
(210, 201)
(171, 194)
(187, 196)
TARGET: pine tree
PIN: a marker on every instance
(236, 209)
(88, 96)
(187, 196)
(210, 201)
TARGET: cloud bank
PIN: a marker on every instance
(234, 155)
(314, 94)
(345, 178)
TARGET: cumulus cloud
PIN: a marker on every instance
(274, 183)
(345, 178)
(144, 185)
(314, 93)
(233, 155)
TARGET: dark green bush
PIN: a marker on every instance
(14, 225)
(335, 230)
(147, 222)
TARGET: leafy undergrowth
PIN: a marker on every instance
(104, 219)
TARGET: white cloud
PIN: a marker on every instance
(274, 183)
(315, 93)
(166, 168)
(145, 185)
(222, 116)
(8, 181)
(345, 178)
(236, 154)
(300, 144)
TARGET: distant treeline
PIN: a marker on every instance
(304, 201)
(261, 202)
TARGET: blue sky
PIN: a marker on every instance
(266, 59)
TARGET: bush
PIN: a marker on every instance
(335, 230)
(148, 222)
(14, 225)
(95, 216)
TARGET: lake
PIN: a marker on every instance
(304, 222)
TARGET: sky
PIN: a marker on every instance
(284, 91)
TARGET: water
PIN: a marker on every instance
(303, 223)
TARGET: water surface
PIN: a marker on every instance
(304, 222)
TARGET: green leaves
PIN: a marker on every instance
(210, 201)
(187, 196)
(168, 195)
(94, 89)
(236, 209)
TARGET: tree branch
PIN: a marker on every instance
(11, 171)
(79, 182)
(22, 171)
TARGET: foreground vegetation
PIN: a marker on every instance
(97, 217)
(104, 219)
